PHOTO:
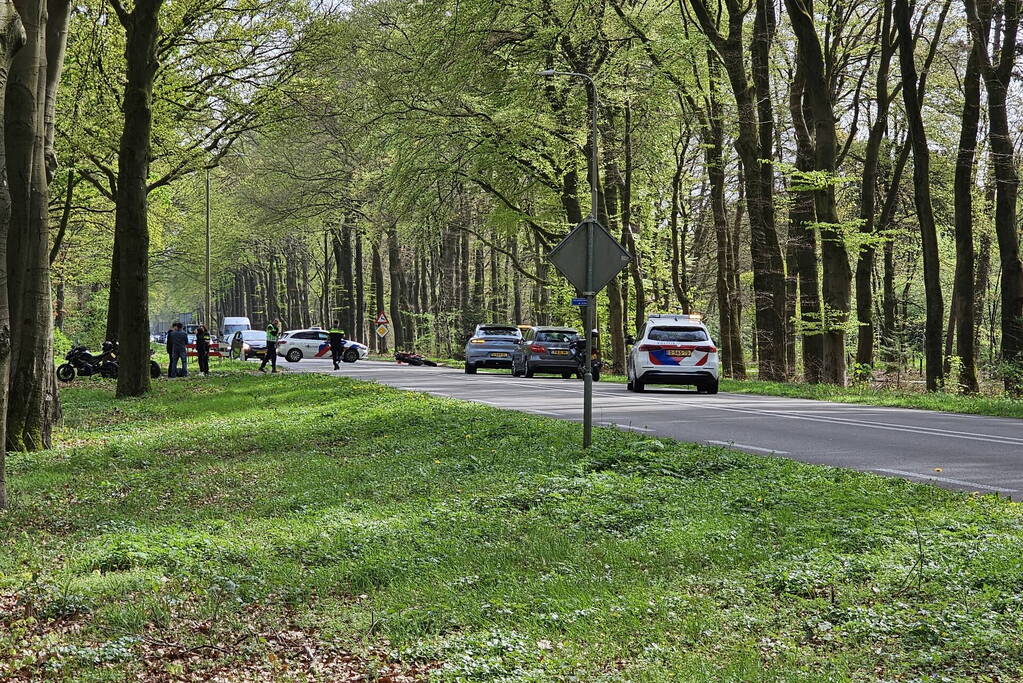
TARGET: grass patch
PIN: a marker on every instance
(999, 406)
(294, 525)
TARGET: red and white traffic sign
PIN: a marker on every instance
(382, 318)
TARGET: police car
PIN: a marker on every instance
(314, 342)
(674, 349)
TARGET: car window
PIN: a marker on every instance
(304, 335)
(499, 332)
(677, 334)
(322, 336)
(557, 336)
(253, 334)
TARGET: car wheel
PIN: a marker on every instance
(66, 372)
(352, 355)
(566, 375)
(529, 371)
(293, 355)
(596, 375)
(712, 387)
(470, 369)
(638, 386)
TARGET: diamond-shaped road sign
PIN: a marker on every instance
(570, 257)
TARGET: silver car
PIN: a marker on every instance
(491, 346)
(546, 350)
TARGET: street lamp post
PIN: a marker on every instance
(589, 292)
(209, 309)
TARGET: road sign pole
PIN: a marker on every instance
(591, 298)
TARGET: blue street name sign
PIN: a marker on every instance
(579, 301)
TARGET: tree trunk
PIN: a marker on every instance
(396, 287)
(998, 72)
(868, 196)
(834, 258)
(131, 222)
(28, 273)
(378, 285)
(922, 199)
(963, 294)
(360, 290)
(802, 217)
(12, 38)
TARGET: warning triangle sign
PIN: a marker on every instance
(381, 318)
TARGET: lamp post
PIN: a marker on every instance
(589, 291)
(209, 310)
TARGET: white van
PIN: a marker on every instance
(228, 327)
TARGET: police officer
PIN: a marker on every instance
(273, 333)
(202, 349)
(337, 344)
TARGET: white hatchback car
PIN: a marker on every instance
(314, 342)
(674, 349)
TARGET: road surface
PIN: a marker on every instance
(967, 452)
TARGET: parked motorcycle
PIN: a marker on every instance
(413, 359)
(578, 348)
(80, 362)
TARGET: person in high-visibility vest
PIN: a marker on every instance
(273, 333)
(337, 344)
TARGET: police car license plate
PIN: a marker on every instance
(559, 352)
(498, 355)
(680, 353)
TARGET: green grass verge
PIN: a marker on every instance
(1000, 406)
(276, 527)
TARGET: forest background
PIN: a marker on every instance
(832, 185)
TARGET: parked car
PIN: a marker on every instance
(674, 349)
(491, 346)
(246, 344)
(294, 345)
(546, 350)
(228, 326)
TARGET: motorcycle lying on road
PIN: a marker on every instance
(578, 349)
(413, 359)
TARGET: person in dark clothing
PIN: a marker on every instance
(273, 333)
(177, 349)
(337, 344)
(202, 349)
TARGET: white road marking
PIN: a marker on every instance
(732, 444)
(947, 480)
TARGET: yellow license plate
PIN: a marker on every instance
(499, 355)
(559, 352)
(680, 353)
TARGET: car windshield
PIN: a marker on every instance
(499, 332)
(253, 334)
(556, 336)
(677, 334)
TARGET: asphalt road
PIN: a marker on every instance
(967, 452)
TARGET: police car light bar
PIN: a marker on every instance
(696, 317)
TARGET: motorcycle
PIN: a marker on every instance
(578, 349)
(413, 359)
(80, 362)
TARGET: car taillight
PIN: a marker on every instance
(477, 340)
(707, 349)
(536, 348)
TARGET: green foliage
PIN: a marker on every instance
(403, 533)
